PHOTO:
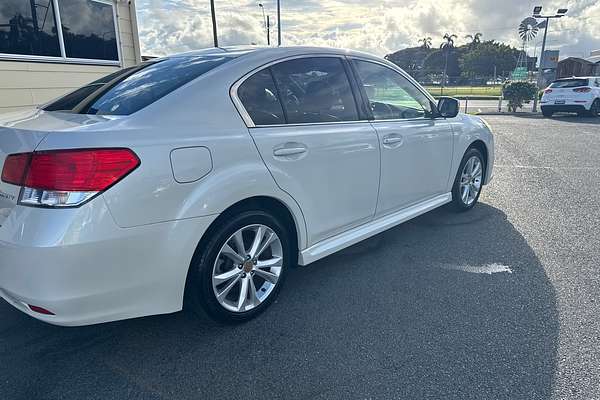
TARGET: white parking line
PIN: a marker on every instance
(489, 269)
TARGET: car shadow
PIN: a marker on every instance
(564, 117)
(452, 306)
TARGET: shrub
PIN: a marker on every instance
(517, 93)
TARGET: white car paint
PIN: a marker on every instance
(571, 99)
(126, 253)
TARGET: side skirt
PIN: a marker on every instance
(355, 235)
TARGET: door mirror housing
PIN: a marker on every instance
(448, 107)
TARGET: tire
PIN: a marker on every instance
(458, 199)
(214, 263)
(546, 113)
(594, 109)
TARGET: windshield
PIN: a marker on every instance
(125, 92)
(569, 83)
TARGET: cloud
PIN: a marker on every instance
(377, 26)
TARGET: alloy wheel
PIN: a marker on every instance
(247, 268)
(470, 180)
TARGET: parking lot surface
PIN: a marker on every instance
(502, 302)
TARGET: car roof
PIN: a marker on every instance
(275, 52)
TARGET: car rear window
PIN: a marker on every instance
(569, 83)
(136, 90)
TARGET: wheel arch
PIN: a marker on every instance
(482, 147)
(264, 203)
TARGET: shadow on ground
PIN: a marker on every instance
(387, 318)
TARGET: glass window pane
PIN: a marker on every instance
(88, 29)
(71, 100)
(315, 90)
(391, 95)
(259, 97)
(569, 83)
(152, 82)
(28, 27)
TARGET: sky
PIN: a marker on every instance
(379, 27)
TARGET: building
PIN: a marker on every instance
(574, 66)
(39, 62)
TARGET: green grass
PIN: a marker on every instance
(465, 90)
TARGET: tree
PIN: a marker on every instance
(474, 39)
(486, 57)
(426, 42)
(447, 46)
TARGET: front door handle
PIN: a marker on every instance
(393, 139)
(289, 149)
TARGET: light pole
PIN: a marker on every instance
(278, 23)
(214, 23)
(537, 13)
(267, 23)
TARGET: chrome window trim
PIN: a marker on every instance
(242, 110)
(409, 78)
(63, 59)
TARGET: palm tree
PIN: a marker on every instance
(447, 46)
(449, 41)
(426, 42)
(474, 39)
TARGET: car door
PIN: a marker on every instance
(306, 125)
(416, 149)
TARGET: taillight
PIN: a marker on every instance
(547, 91)
(15, 167)
(62, 178)
(583, 90)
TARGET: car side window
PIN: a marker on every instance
(390, 95)
(315, 89)
(259, 97)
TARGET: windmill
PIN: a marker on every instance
(528, 29)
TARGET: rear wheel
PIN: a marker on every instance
(595, 108)
(547, 113)
(239, 272)
(468, 181)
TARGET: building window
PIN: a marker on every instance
(28, 29)
(88, 29)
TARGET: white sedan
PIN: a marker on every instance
(205, 176)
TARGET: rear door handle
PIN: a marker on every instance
(393, 139)
(289, 149)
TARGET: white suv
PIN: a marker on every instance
(209, 174)
(580, 95)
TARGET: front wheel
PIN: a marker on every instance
(241, 269)
(468, 181)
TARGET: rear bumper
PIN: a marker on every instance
(573, 108)
(78, 264)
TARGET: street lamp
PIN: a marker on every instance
(537, 13)
(267, 23)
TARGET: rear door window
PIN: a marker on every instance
(259, 97)
(124, 93)
(315, 89)
(569, 83)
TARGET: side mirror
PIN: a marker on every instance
(448, 107)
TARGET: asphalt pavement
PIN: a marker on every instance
(501, 302)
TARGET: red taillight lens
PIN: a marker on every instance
(548, 91)
(15, 167)
(39, 310)
(89, 170)
(66, 178)
(583, 90)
